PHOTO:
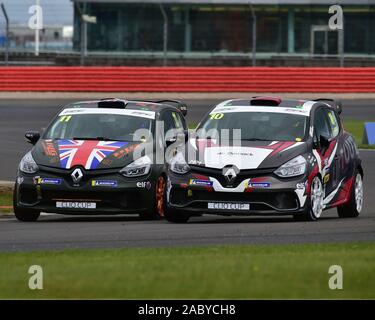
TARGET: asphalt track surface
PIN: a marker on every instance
(62, 232)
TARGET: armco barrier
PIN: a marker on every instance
(187, 79)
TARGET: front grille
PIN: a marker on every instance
(87, 174)
(277, 200)
(242, 175)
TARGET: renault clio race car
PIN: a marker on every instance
(98, 157)
(267, 156)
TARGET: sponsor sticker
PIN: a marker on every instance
(104, 183)
(49, 148)
(196, 162)
(259, 184)
(203, 183)
(125, 151)
(326, 178)
(52, 181)
(135, 113)
(296, 111)
(144, 184)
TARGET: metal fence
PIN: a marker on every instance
(171, 32)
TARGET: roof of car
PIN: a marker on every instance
(270, 104)
(121, 104)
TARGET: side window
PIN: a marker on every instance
(333, 123)
(168, 121)
(171, 124)
(321, 124)
(179, 121)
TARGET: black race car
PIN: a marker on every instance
(99, 157)
(288, 157)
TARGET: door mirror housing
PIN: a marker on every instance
(324, 143)
(171, 140)
(32, 136)
(181, 137)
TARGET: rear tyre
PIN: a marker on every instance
(22, 214)
(353, 207)
(314, 207)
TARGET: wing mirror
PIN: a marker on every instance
(171, 140)
(324, 143)
(32, 136)
(181, 137)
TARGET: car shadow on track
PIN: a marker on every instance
(73, 218)
(251, 220)
(205, 219)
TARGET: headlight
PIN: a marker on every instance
(179, 165)
(137, 168)
(292, 168)
(27, 164)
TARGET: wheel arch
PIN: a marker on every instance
(360, 170)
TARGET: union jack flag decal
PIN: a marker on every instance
(86, 153)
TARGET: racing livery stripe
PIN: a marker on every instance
(233, 109)
(135, 113)
(344, 194)
(328, 198)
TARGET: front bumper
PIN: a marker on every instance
(112, 193)
(265, 193)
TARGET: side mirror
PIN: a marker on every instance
(32, 136)
(169, 141)
(324, 143)
(181, 137)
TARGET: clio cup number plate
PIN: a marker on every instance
(228, 206)
(75, 205)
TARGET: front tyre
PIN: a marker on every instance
(22, 214)
(353, 207)
(314, 207)
(158, 211)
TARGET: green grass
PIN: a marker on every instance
(6, 200)
(355, 127)
(192, 125)
(267, 271)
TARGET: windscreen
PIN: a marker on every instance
(99, 126)
(266, 126)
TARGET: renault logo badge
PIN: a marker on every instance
(230, 173)
(77, 175)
